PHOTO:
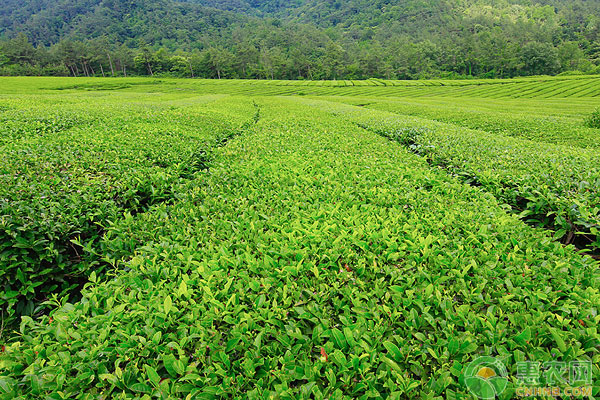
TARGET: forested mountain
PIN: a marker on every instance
(311, 39)
(253, 7)
(154, 21)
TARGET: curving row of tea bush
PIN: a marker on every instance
(560, 87)
(543, 87)
(553, 186)
(593, 120)
(546, 122)
(314, 261)
(61, 188)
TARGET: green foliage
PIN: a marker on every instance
(593, 120)
(408, 136)
(352, 39)
(66, 177)
(539, 59)
(537, 120)
(313, 258)
(553, 186)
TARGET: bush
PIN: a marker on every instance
(67, 174)
(552, 186)
(593, 120)
(315, 260)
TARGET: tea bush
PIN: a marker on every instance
(61, 187)
(593, 121)
(546, 87)
(556, 187)
(539, 121)
(315, 260)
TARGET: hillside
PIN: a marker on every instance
(151, 21)
(314, 39)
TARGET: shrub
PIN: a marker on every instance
(593, 120)
(315, 260)
(552, 186)
(64, 178)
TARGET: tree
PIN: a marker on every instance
(162, 61)
(219, 60)
(331, 39)
(272, 62)
(101, 55)
(19, 50)
(539, 59)
(84, 56)
(3, 59)
(123, 58)
(145, 60)
(334, 60)
(180, 66)
(572, 57)
(65, 52)
(246, 59)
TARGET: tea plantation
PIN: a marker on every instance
(194, 239)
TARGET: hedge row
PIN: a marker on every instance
(546, 122)
(314, 261)
(552, 186)
(64, 181)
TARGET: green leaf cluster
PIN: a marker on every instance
(314, 260)
(72, 172)
(552, 186)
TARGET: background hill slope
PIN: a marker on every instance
(314, 39)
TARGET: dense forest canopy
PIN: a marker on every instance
(299, 39)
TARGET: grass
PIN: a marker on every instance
(199, 239)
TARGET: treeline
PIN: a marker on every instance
(304, 60)
(356, 39)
